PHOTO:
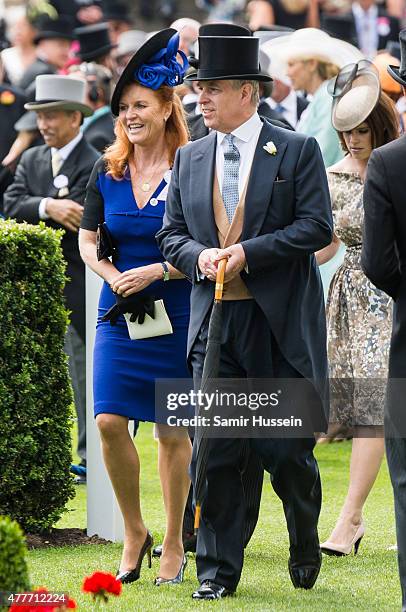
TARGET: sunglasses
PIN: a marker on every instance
(342, 83)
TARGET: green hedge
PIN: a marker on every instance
(35, 390)
(13, 566)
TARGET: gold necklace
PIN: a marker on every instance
(146, 185)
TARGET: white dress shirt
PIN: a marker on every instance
(366, 26)
(64, 152)
(246, 139)
(290, 107)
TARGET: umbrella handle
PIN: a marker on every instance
(218, 295)
(197, 517)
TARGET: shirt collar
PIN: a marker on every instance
(244, 132)
(66, 150)
(359, 11)
(289, 103)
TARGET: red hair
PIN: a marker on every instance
(176, 135)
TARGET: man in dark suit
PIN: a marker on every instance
(273, 311)
(49, 185)
(52, 42)
(383, 257)
(373, 26)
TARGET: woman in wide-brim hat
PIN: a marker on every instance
(359, 316)
(310, 58)
(127, 192)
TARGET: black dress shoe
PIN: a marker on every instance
(303, 576)
(211, 590)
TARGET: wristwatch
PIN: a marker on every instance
(165, 275)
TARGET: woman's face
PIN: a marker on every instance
(143, 115)
(359, 141)
(299, 73)
(22, 32)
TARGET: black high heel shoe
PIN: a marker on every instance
(178, 578)
(134, 574)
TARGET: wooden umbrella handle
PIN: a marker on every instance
(218, 294)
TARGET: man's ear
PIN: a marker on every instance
(246, 93)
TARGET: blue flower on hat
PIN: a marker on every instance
(163, 68)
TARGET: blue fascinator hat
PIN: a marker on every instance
(153, 65)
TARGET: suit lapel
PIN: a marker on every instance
(201, 189)
(44, 171)
(264, 171)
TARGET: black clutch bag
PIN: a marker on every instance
(104, 243)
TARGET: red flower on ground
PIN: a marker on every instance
(100, 584)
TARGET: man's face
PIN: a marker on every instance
(58, 127)
(55, 51)
(223, 107)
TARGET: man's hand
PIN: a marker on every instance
(236, 260)
(66, 212)
(207, 263)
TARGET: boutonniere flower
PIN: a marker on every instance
(383, 24)
(271, 148)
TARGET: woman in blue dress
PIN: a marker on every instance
(127, 191)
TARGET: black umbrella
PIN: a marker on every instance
(210, 371)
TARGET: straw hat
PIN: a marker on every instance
(361, 95)
(312, 43)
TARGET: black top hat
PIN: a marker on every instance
(223, 29)
(228, 58)
(94, 41)
(219, 29)
(399, 73)
(393, 48)
(116, 12)
(340, 26)
(60, 27)
(152, 76)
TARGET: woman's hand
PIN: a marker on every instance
(136, 279)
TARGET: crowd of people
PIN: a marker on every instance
(293, 175)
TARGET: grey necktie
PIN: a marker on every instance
(230, 178)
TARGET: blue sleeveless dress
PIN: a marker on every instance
(125, 370)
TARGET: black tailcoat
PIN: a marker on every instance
(287, 218)
(384, 252)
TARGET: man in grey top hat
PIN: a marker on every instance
(49, 185)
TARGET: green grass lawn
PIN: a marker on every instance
(368, 581)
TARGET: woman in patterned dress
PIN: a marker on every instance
(358, 314)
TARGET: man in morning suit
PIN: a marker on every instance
(383, 261)
(273, 311)
(49, 185)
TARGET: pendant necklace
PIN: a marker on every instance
(146, 185)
